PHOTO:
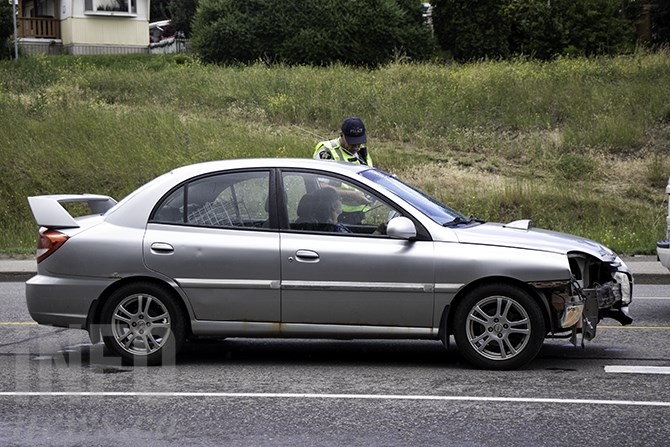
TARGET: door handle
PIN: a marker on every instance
(306, 256)
(162, 248)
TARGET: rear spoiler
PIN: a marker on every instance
(49, 212)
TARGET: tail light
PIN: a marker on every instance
(48, 242)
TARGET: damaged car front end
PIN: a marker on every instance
(599, 288)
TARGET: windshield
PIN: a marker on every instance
(428, 205)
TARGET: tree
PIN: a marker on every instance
(471, 30)
(532, 31)
(660, 23)
(356, 32)
(540, 29)
(158, 10)
(6, 29)
(180, 12)
(592, 27)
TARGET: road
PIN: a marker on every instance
(56, 389)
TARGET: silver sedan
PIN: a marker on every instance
(311, 249)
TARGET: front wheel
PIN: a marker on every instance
(498, 326)
(142, 324)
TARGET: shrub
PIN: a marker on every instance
(354, 32)
(537, 28)
(6, 29)
(592, 27)
(532, 31)
(471, 30)
(660, 23)
(181, 12)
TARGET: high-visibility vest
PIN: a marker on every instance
(340, 154)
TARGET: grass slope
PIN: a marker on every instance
(578, 145)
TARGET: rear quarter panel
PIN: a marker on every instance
(102, 251)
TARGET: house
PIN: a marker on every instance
(83, 26)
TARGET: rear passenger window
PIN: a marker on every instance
(172, 208)
(225, 200)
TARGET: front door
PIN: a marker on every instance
(362, 277)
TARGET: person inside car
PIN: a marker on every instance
(326, 208)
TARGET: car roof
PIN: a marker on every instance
(241, 163)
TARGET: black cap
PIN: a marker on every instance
(353, 130)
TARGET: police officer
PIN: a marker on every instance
(350, 147)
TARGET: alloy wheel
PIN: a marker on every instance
(141, 324)
(498, 328)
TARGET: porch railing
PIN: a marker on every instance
(38, 27)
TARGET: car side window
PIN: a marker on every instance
(323, 203)
(236, 199)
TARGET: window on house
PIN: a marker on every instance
(111, 6)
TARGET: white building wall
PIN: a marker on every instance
(80, 27)
(102, 30)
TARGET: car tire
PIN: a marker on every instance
(142, 324)
(498, 326)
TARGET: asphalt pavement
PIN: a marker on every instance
(646, 269)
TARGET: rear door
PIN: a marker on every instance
(212, 236)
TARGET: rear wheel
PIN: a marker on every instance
(142, 324)
(499, 326)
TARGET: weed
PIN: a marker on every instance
(578, 145)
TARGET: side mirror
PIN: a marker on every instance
(401, 228)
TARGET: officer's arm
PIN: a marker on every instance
(352, 197)
(323, 153)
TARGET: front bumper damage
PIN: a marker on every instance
(597, 290)
(609, 300)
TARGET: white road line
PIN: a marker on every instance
(334, 396)
(637, 369)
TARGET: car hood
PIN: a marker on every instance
(531, 239)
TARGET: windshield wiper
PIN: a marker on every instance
(460, 220)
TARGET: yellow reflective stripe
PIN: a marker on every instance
(339, 153)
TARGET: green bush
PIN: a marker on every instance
(471, 30)
(158, 10)
(593, 27)
(660, 23)
(354, 32)
(532, 31)
(6, 29)
(534, 28)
